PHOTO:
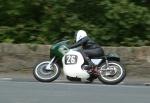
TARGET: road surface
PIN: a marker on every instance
(67, 92)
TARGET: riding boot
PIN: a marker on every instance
(87, 59)
(90, 63)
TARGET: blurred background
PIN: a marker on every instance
(109, 22)
(28, 28)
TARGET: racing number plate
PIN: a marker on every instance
(70, 59)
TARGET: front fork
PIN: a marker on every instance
(48, 67)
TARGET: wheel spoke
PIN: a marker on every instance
(44, 74)
(113, 73)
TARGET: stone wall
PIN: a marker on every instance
(135, 59)
(18, 57)
(24, 57)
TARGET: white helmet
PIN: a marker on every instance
(80, 34)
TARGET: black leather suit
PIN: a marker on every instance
(90, 49)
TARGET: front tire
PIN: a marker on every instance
(114, 76)
(41, 74)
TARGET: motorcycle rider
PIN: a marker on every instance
(90, 48)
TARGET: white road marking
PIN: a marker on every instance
(6, 79)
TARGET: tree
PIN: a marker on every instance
(109, 22)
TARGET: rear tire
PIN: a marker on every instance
(43, 75)
(111, 79)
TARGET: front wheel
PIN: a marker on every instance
(113, 74)
(43, 75)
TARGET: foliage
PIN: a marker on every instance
(109, 22)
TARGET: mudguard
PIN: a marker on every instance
(113, 57)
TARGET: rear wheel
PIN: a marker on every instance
(114, 74)
(43, 75)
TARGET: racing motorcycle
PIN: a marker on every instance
(108, 70)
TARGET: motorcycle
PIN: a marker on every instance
(108, 70)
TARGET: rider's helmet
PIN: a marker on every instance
(80, 34)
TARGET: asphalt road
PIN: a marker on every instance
(66, 92)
